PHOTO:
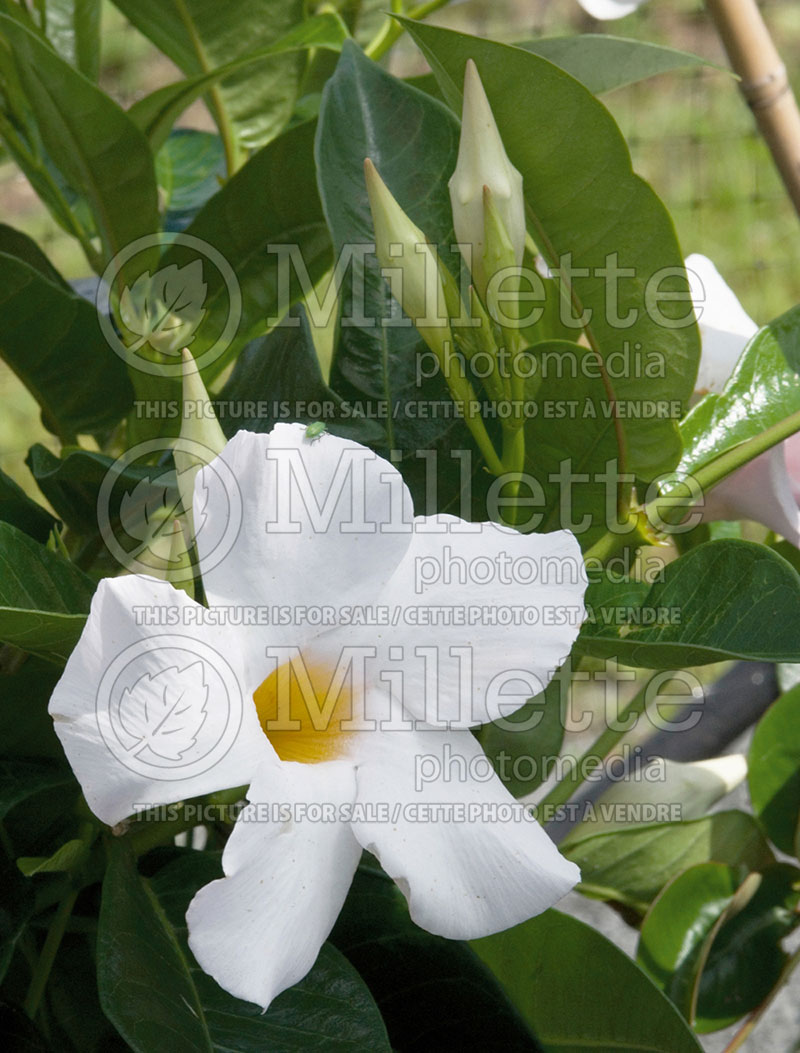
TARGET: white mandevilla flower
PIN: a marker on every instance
(767, 489)
(482, 166)
(608, 9)
(337, 714)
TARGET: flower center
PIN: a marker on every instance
(302, 710)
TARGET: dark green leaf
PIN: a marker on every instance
(585, 200)
(604, 63)
(200, 36)
(20, 511)
(43, 597)
(51, 339)
(774, 772)
(566, 979)
(457, 1003)
(330, 1008)
(190, 168)
(632, 866)
(724, 599)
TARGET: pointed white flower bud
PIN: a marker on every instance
(608, 9)
(483, 163)
(401, 246)
(691, 789)
(201, 437)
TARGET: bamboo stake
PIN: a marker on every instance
(764, 84)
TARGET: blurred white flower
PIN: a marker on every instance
(608, 9)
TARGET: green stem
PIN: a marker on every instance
(391, 31)
(44, 965)
(596, 753)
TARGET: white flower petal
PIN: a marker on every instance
(725, 327)
(259, 929)
(760, 490)
(463, 877)
(607, 9)
(323, 520)
(149, 714)
(488, 574)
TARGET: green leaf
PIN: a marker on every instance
(73, 28)
(368, 113)
(724, 599)
(745, 960)
(573, 429)
(584, 199)
(281, 179)
(26, 728)
(96, 147)
(50, 337)
(675, 936)
(143, 955)
(632, 866)
(190, 168)
(761, 392)
(156, 113)
(43, 597)
(605, 63)
(20, 511)
(773, 772)
(200, 37)
(457, 1003)
(69, 855)
(526, 746)
(21, 779)
(18, 906)
(562, 975)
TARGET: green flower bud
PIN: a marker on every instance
(402, 246)
(483, 164)
(201, 438)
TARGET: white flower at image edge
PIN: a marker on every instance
(766, 489)
(258, 929)
(608, 9)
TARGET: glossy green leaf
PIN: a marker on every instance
(584, 199)
(190, 168)
(762, 391)
(43, 597)
(73, 28)
(100, 153)
(604, 63)
(524, 748)
(724, 599)
(774, 772)
(156, 113)
(457, 1003)
(632, 866)
(280, 179)
(562, 975)
(142, 948)
(201, 35)
(20, 511)
(376, 365)
(50, 337)
(675, 934)
(745, 960)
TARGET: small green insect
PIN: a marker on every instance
(316, 430)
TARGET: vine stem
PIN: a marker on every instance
(55, 933)
(392, 30)
(597, 752)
